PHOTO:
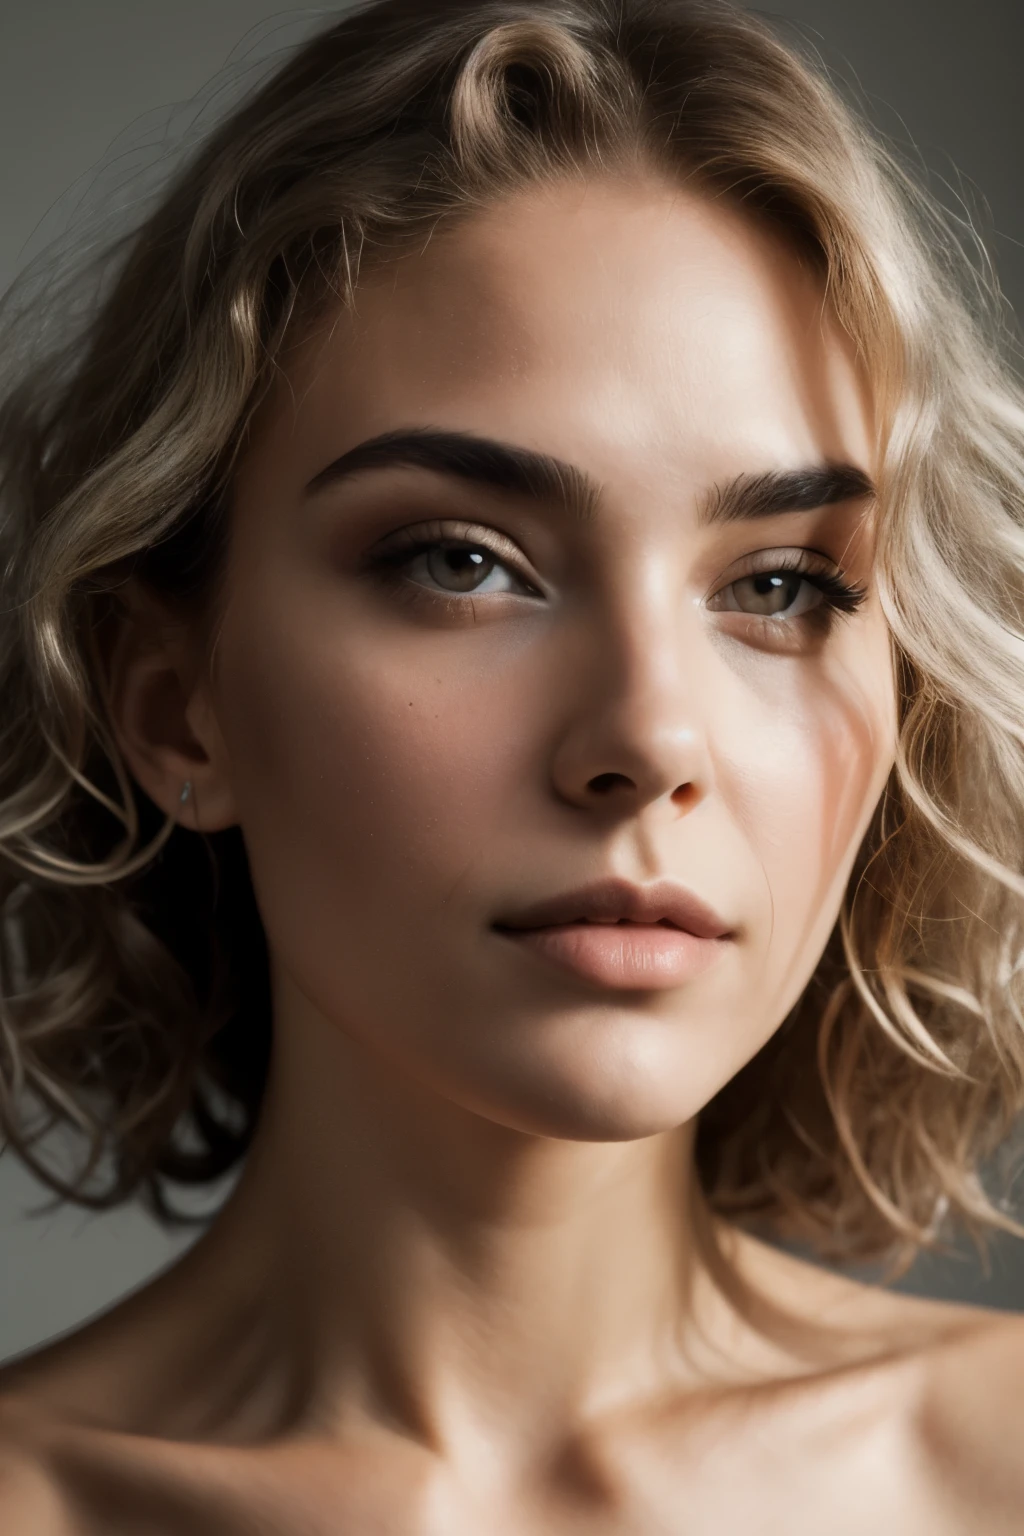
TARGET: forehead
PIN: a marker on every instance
(632, 321)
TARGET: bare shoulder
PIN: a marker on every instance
(66, 1476)
(51, 1402)
(943, 1381)
(31, 1499)
(971, 1417)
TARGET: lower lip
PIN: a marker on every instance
(638, 956)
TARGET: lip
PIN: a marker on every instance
(615, 934)
(619, 901)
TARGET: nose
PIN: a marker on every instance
(634, 730)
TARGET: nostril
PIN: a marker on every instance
(603, 783)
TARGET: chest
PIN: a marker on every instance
(752, 1473)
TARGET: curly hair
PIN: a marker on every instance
(134, 998)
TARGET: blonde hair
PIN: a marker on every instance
(133, 986)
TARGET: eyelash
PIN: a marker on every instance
(840, 597)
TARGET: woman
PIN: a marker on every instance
(513, 673)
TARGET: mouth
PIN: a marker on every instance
(618, 935)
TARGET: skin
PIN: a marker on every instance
(459, 1286)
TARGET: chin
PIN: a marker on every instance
(568, 1117)
(615, 1091)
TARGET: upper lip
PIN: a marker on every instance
(612, 901)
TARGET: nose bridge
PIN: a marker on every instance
(637, 715)
(647, 663)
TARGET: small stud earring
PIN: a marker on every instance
(185, 792)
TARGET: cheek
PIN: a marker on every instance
(369, 771)
(805, 777)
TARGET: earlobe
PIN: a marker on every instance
(208, 802)
(190, 813)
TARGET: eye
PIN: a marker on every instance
(789, 590)
(770, 594)
(450, 561)
(449, 565)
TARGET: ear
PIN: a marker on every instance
(162, 713)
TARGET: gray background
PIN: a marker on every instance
(79, 76)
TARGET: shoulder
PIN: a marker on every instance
(941, 1383)
(31, 1499)
(970, 1417)
(63, 1476)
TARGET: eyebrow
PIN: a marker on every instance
(786, 490)
(541, 477)
(481, 460)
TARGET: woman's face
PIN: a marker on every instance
(447, 695)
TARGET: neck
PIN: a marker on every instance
(418, 1264)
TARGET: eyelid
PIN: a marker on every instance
(791, 557)
(457, 531)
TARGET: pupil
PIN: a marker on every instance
(459, 568)
(775, 590)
